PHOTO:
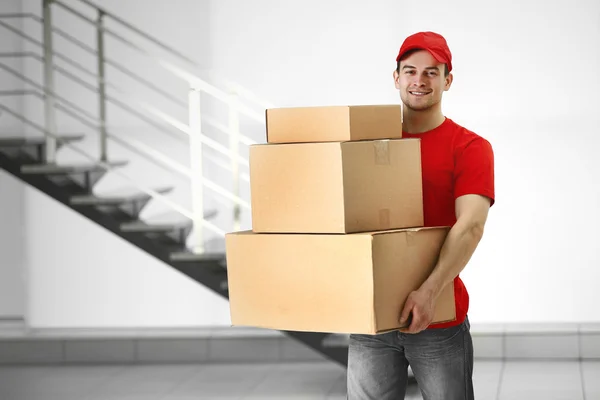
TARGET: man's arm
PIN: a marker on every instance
(459, 246)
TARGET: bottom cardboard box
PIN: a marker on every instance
(338, 283)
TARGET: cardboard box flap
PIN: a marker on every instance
(303, 121)
(391, 231)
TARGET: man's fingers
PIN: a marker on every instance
(415, 323)
(406, 314)
(416, 320)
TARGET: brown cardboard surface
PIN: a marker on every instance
(353, 283)
(333, 123)
(336, 187)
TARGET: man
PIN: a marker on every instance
(458, 190)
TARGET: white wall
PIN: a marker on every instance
(524, 79)
(12, 267)
(12, 248)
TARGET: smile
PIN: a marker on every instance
(419, 93)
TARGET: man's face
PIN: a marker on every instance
(421, 81)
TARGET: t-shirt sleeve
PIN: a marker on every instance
(474, 169)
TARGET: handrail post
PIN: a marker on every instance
(195, 121)
(101, 86)
(49, 100)
(234, 141)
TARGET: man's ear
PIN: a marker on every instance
(396, 79)
(448, 81)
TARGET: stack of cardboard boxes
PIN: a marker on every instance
(337, 242)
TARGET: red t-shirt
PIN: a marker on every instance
(454, 162)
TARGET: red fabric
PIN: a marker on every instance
(430, 41)
(455, 162)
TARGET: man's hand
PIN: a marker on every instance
(463, 238)
(421, 304)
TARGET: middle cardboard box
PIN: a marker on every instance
(336, 187)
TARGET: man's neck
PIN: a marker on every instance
(421, 121)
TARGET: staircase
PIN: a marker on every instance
(33, 159)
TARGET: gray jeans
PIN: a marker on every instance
(441, 361)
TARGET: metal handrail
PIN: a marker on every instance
(148, 152)
(244, 139)
(125, 106)
(136, 146)
(136, 30)
(41, 88)
(160, 116)
(155, 195)
(231, 85)
(41, 45)
(89, 50)
(141, 149)
(191, 79)
(222, 96)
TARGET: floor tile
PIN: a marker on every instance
(200, 396)
(413, 393)
(144, 380)
(516, 380)
(307, 380)
(338, 389)
(529, 380)
(112, 396)
(44, 396)
(486, 379)
(67, 381)
(14, 380)
(222, 380)
(228, 372)
(590, 371)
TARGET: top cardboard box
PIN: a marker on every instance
(333, 123)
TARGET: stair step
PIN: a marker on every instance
(214, 250)
(163, 223)
(186, 256)
(122, 196)
(54, 169)
(145, 227)
(336, 340)
(19, 141)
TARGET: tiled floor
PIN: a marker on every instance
(512, 380)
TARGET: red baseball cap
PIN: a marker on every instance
(430, 41)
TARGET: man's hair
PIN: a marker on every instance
(408, 53)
